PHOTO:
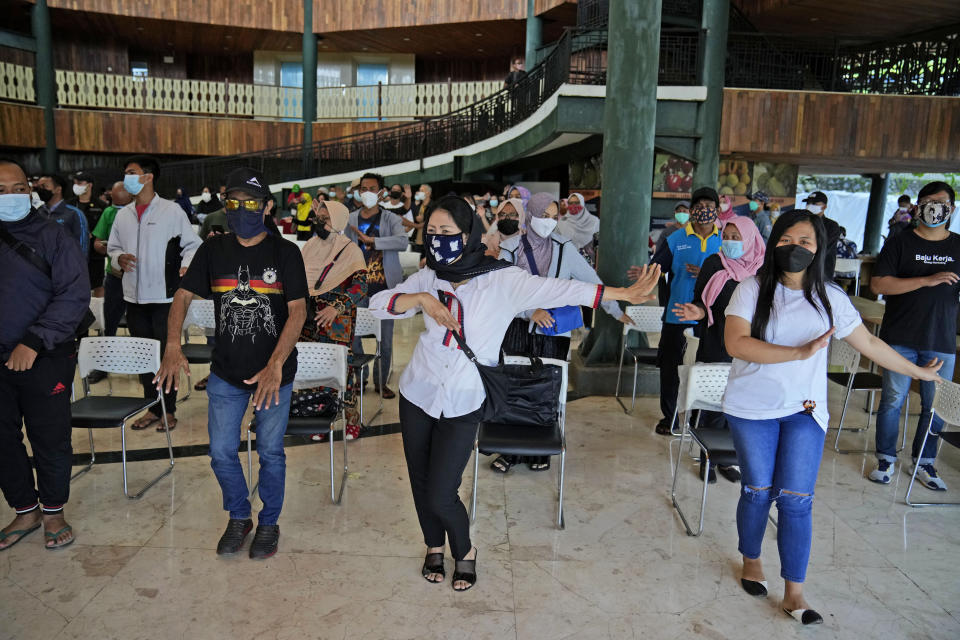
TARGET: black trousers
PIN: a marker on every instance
(669, 357)
(437, 451)
(39, 399)
(150, 321)
(113, 304)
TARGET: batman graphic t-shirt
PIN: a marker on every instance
(250, 287)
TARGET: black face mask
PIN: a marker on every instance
(45, 194)
(323, 232)
(792, 258)
(396, 195)
(508, 227)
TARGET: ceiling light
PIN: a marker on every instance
(480, 50)
(365, 48)
(479, 35)
(228, 36)
(439, 53)
(406, 39)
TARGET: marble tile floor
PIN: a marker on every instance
(623, 568)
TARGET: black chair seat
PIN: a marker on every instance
(719, 445)
(951, 437)
(303, 426)
(197, 353)
(95, 412)
(643, 355)
(520, 440)
(360, 361)
(862, 380)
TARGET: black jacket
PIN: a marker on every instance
(39, 311)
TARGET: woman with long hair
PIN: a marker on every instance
(441, 392)
(337, 281)
(778, 326)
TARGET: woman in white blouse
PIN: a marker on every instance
(778, 326)
(440, 391)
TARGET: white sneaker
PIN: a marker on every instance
(883, 473)
(928, 476)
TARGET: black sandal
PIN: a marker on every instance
(539, 463)
(503, 464)
(465, 571)
(437, 567)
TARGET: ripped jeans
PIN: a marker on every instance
(779, 460)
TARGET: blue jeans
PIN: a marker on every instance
(779, 460)
(227, 404)
(896, 386)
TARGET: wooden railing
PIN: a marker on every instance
(86, 90)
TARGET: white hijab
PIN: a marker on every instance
(579, 228)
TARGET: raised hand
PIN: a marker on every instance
(689, 312)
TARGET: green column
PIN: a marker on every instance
(713, 55)
(629, 125)
(309, 86)
(876, 212)
(46, 85)
(534, 35)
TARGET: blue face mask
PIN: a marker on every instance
(132, 184)
(682, 217)
(494, 202)
(444, 249)
(246, 224)
(733, 249)
(14, 206)
(754, 205)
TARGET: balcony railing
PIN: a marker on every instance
(86, 90)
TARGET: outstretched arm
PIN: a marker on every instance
(880, 352)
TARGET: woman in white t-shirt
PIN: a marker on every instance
(778, 326)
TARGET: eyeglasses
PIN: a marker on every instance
(232, 204)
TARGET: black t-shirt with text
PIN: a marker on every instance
(926, 318)
(250, 287)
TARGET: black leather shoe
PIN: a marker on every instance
(754, 588)
(265, 541)
(805, 616)
(387, 392)
(731, 473)
(232, 539)
(663, 427)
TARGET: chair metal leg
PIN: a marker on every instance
(346, 467)
(706, 478)
(623, 346)
(250, 486)
(616, 395)
(123, 451)
(913, 477)
(476, 472)
(93, 458)
(906, 416)
(843, 413)
(561, 524)
(633, 396)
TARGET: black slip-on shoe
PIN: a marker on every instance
(265, 541)
(232, 539)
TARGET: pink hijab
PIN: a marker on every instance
(739, 269)
(723, 216)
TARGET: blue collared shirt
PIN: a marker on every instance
(684, 247)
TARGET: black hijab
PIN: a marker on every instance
(474, 261)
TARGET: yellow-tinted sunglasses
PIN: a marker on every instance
(232, 204)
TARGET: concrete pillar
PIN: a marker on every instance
(46, 83)
(309, 86)
(713, 56)
(876, 212)
(629, 126)
(534, 35)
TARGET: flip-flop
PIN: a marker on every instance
(142, 424)
(19, 532)
(171, 423)
(53, 536)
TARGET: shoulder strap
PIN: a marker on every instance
(559, 259)
(26, 252)
(528, 250)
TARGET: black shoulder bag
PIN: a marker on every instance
(517, 394)
(30, 254)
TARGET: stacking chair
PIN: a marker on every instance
(704, 389)
(647, 320)
(946, 404)
(692, 343)
(99, 323)
(367, 326)
(318, 364)
(850, 265)
(124, 355)
(846, 357)
(200, 314)
(526, 440)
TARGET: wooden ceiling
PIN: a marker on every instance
(855, 18)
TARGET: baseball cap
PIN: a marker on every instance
(706, 193)
(816, 196)
(249, 181)
(682, 203)
(760, 196)
(82, 176)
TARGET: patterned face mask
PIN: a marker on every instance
(444, 249)
(934, 214)
(702, 213)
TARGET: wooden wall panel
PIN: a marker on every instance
(16, 56)
(838, 129)
(82, 130)
(21, 126)
(462, 70)
(85, 54)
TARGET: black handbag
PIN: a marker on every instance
(517, 394)
(314, 402)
